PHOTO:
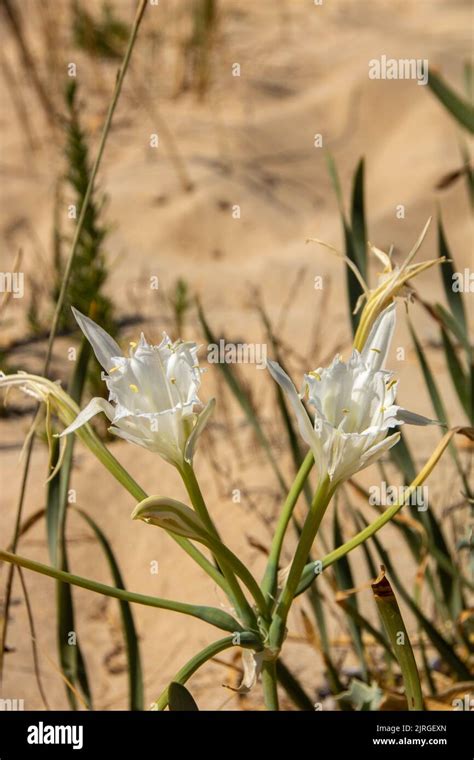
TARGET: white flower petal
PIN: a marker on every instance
(410, 418)
(103, 345)
(374, 353)
(304, 422)
(375, 452)
(94, 406)
(201, 423)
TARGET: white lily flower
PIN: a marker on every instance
(354, 406)
(152, 393)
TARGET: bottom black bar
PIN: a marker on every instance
(372, 734)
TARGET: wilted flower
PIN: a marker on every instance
(354, 406)
(392, 282)
(152, 393)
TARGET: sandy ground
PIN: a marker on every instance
(249, 143)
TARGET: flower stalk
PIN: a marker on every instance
(269, 582)
(269, 684)
(311, 525)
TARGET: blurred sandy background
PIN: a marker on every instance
(249, 142)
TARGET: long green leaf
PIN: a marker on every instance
(444, 647)
(460, 380)
(398, 635)
(448, 271)
(211, 615)
(354, 239)
(135, 678)
(462, 111)
(293, 687)
(358, 223)
(70, 655)
(451, 324)
(435, 395)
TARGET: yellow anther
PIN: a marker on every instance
(133, 344)
(345, 411)
(133, 387)
(377, 350)
(392, 383)
(315, 374)
(113, 369)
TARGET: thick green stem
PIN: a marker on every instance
(313, 520)
(269, 583)
(314, 568)
(235, 592)
(247, 640)
(211, 615)
(269, 683)
(192, 486)
(230, 560)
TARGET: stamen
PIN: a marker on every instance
(133, 344)
(392, 382)
(113, 369)
(377, 350)
(315, 374)
(345, 411)
(133, 387)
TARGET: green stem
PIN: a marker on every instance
(309, 572)
(247, 640)
(211, 615)
(227, 557)
(269, 683)
(192, 486)
(269, 583)
(321, 500)
(235, 592)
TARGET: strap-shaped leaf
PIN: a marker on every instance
(135, 679)
(398, 635)
(448, 271)
(462, 111)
